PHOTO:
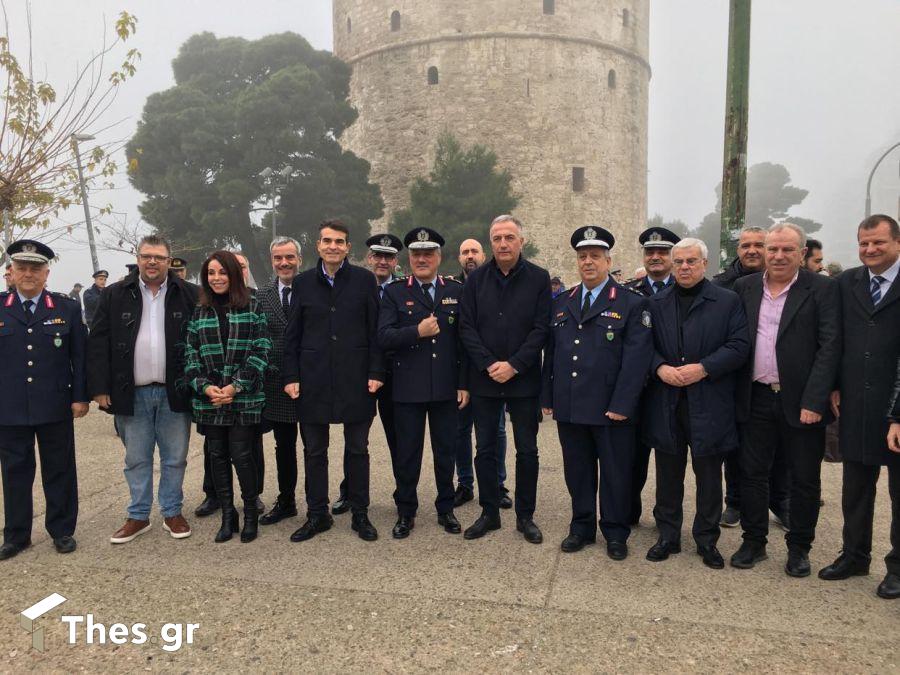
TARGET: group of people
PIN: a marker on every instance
(746, 370)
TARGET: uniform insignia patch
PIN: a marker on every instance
(646, 320)
(410, 303)
(560, 314)
(610, 335)
(451, 319)
(57, 341)
(449, 301)
(53, 322)
(611, 315)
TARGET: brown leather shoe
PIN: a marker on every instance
(131, 529)
(177, 526)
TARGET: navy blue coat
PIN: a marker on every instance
(506, 319)
(43, 356)
(598, 363)
(715, 334)
(330, 345)
(423, 369)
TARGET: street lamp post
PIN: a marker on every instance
(272, 178)
(872, 175)
(84, 198)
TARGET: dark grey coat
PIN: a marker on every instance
(279, 406)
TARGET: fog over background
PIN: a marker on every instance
(824, 96)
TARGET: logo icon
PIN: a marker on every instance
(29, 616)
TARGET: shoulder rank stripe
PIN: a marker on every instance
(409, 281)
(572, 294)
(612, 292)
(49, 301)
(440, 280)
(9, 299)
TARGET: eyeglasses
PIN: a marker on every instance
(690, 262)
(146, 257)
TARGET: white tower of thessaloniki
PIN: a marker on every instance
(557, 88)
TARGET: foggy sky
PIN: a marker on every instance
(823, 94)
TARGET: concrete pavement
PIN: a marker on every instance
(433, 601)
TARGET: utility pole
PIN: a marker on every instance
(84, 197)
(737, 109)
(872, 175)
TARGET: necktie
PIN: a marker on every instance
(876, 289)
(426, 289)
(27, 305)
(586, 306)
(286, 299)
(658, 286)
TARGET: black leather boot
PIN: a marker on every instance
(220, 471)
(243, 458)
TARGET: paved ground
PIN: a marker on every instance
(433, 601)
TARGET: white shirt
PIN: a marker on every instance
(150, 347)
(281, 287)
(888, 277)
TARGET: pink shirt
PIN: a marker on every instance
(765, 363)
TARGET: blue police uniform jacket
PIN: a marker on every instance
(599, 362)
(43, 355)
(424, 369)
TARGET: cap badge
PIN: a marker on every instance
(422, 235)
(29, 248)
(656, 236)
(590, 233)
(385, 241)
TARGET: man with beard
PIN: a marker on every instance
(813, 260)
(657, 243)
(471, 257)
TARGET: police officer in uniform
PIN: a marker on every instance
(42, 388)
(657, 243)
(595, 365)
(418, 327)
(179, 267)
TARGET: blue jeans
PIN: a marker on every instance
(152, 424)
(465, 474)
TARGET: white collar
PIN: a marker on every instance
(889, 274)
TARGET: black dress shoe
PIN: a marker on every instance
(529, 530)
(279, 512)
(662, 549)
(797, 564)
(342, 505)
(617, 550)
(207, 507)
(748, 555)
(9, 550)
(64, 544)
(844, 567)
(312, 527)
(482, 526)
(575, 542)
(363, 527)
(449, 522)
(403, 527)
(711, 557)
(463, 495)
(889, 588)
(505, 501)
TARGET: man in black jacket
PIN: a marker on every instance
(136, 366)
(782, 397)
(870, 304)
(91, 296)
(505, 324)
(333, 368)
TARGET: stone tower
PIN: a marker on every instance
(557, 88)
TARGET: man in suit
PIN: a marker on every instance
(42, 347)
(595, 364)
(471, 257)
(382, 261)
(280, 412)
(419, 327)
(870, 304)
(782, 398)
(505, 323)
(657, 243)
(333, 368)
(700, 341)
(136, 356)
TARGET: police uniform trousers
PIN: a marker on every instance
(583, 446)
(858, 504)
(384, 396)
(670, 469)
(638, 477)
(356, 465)
(762, 436)
(525, 415)
(410, 424)
(56, 447)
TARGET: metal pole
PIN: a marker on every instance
(274, 217)
(87, 211)
(872, 175)
(737, 97)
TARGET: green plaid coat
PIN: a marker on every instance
(242, 361)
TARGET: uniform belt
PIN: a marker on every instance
(774, 386)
